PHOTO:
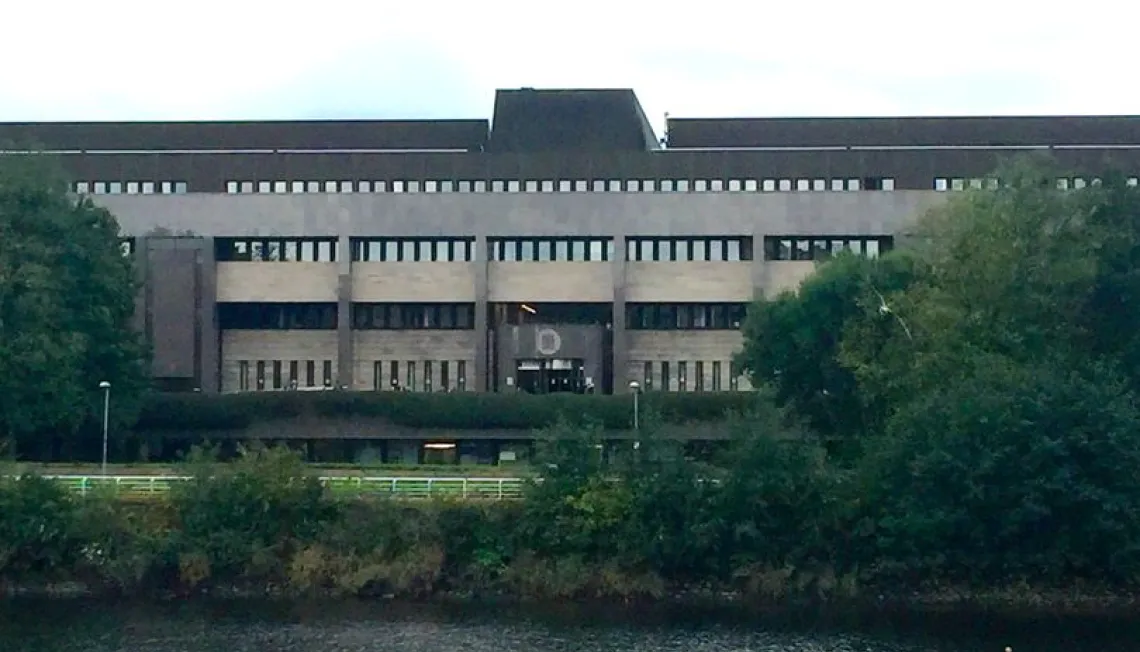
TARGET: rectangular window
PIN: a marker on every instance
(698, 376)
(243, 376)
(294, 378)
(377, 376)
(666, 385)
(716, 376)
(733, 377)
(682, 376)
(410, 377)
(394, 374)
(647, 377)
(310, 373)
(577, 250)
(327, 373)
(461, 375)
(597, 250)
(445, 375)
(260, 375)
(427, 375)
(278, 382)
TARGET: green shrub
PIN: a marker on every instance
(460, 411)
(39, 527)
(243, 517)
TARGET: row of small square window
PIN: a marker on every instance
(564, 185)
(131, 187)
(1064, 183)
(674, 377)
(310, 250)
(824, 247)
(688, 249)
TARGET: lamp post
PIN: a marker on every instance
(106, 387)
(635, 387)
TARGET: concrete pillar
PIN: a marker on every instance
(620, 334)
(759, 265)
(209, 343)
(481, 260)
(345, 352)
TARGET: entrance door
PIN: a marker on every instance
(529, 377)
(550, 376)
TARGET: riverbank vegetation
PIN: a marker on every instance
(955, 418)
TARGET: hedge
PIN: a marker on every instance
(460, 411)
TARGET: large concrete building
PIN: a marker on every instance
(559, 247)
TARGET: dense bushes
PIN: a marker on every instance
(927, 508)
(461, 410)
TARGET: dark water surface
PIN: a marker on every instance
(366, 627)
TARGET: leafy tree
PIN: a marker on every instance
(792, 341)
(67, 295)
(1012, 471)
(1010, 438)
(1026, 271)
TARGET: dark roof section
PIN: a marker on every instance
(531, 121)
(465, 135)
(903, 132)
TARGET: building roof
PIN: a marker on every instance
(247, 135)
(897, 132)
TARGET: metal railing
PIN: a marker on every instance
(406, 487)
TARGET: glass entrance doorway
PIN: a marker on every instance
(550, 376)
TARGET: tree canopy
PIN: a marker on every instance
(67, 297)
(990, 372)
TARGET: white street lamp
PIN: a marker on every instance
(635, 387)
(106, 387)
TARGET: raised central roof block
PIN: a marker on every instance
(528, 120)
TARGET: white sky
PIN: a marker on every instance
(254, 59)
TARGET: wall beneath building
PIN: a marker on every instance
(688, 282)
(413, 346)
(690, 347)
(253, 346)
(444, 282)
(245, 282)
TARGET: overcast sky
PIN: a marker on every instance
(252, 59)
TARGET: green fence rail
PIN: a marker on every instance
(146, 486)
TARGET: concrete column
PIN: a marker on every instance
(345, 353)
(620, 335)
(142, 268)
(209, 367)
(759, 265)
(481, 260)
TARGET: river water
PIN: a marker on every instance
(368, 627)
